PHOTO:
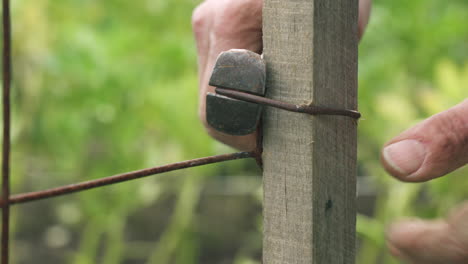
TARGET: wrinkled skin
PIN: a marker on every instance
(426, 151)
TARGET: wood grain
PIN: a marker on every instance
(310, 47)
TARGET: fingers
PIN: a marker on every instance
(364, 13)
(236, 24)
(202, 20)
(430, 149)
(221, 25)
(431, 242)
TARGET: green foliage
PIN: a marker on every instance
(103, 87)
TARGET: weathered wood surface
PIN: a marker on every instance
(310, 47)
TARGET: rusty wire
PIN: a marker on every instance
(7, 200)
(6, 61)
(77, 187)
(303, 108)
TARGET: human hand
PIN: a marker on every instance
(426, 151)
(221, 25)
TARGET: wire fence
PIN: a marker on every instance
(7, 200)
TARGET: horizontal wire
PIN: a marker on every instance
(72, 188)
(307, 109)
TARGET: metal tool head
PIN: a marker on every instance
(231, 116)
(240, 70)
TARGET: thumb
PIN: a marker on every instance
(430, 149)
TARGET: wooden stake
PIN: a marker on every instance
(310, 47)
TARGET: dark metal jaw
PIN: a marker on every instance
(232, 116)
(239, 70)
(236, 107)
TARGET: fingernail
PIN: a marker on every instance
(406, 156)
(403, 230)
(401, 236)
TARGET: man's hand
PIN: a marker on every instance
(426, 151)
(221, 25)
(429, 150)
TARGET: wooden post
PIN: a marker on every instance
(310, 47)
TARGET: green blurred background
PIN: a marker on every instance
(103, 87)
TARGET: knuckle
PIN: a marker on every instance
(452, 128)
(236, 6)
(458, 221)
(200, 18)
(237, 16)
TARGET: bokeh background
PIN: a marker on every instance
(104, 87)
